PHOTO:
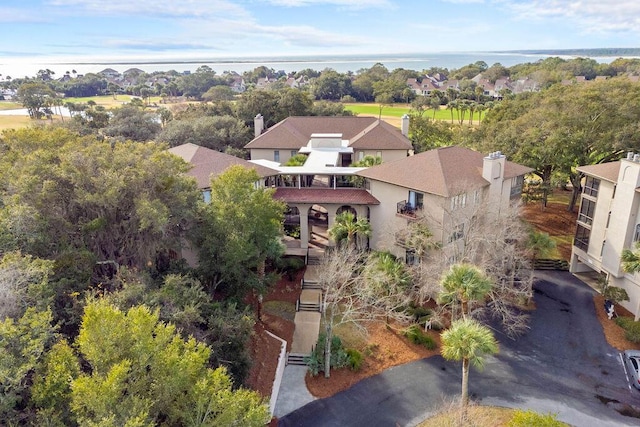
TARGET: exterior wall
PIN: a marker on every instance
(385, 220)
(387, 155)
(285, 154)
(610, 235)
(268, 154)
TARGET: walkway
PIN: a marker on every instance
(293, 392)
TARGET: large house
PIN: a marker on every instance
(608, 223)
(441, 184)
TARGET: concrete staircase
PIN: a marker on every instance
(551, 264)
(307, 319)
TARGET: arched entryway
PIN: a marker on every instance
(347, 208)
(292, 222)
(318, 227)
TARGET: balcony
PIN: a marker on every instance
(407, 209)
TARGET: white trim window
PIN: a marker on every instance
(459, 201)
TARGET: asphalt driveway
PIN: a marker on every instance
(562, 365)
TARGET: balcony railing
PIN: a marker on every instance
(408, 209)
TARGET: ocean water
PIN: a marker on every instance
(21, 67)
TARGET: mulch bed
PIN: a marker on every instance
(612, 332)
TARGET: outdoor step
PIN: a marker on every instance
(308, 307)
(311, 285)
(551, 264)
(296, 359)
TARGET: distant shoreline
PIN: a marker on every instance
(26, 67)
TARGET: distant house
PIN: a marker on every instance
(109, 73)
(238, 85)
(424, 87)
(265, 82)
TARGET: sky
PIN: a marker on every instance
(66, 30)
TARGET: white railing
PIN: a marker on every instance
(282, 361)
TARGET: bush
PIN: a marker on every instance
(420, 314)
(290, 265)
(355, 359)
(533, 419)
(339, 357)
(416, 335)
(631, 328)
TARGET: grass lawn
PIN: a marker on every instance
(10, 105)
(398, 110)
(487, 416)
(107, 101)
(15, 122)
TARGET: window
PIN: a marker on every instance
(581, 239)
(608, 220)
(591, 186)
(458, 233)
(379, 154)
(360, 155)
(206, 195)
(459, 201)
(476, 197)
(276, 156)
(293, 153)
(416, 200)
(636, 235)
(587, 208)
(516, 186)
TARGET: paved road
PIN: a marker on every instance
(562, 365)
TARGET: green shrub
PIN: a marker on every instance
(631, 328)
(420, 314)
(416, 335)
(529, 418)
(313, 363)
(355, 359)
(339, 356)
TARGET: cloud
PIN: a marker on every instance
(350, 4)
(592, 16)
(149, 8)
(154, 45)
(14, 14)
(303, 35)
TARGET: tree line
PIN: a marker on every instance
(101, 320)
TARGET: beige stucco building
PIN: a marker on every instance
(608, 223)
(446, 185)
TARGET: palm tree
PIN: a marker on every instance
(540, 244)
(468, 341)
(451, 105)
(347, 227)
(631, 259)
(464, 283)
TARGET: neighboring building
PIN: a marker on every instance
(608, 222)
(109, 73)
